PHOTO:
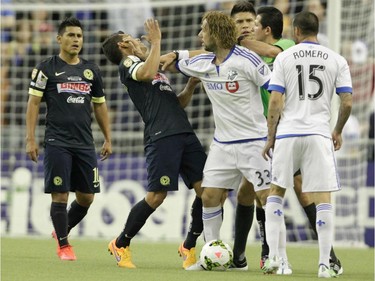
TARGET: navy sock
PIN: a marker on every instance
(261, 218)
(136, 219)
(196, 224)
(243, 222)
(59, 218)
(76, 213)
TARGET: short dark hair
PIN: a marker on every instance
(71, 21)
(307, 22)
(272, 17)
(242, 7)
(111, 49)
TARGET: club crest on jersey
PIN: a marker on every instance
(88, 74)
(232, 74)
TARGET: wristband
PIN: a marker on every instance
(181, 54)
(177, 53)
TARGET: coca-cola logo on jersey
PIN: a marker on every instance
(75, 99)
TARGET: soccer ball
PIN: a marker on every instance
(216, 255)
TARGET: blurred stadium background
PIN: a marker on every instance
(28, 31)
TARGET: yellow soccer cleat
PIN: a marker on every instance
(122, 255)
(187, 255)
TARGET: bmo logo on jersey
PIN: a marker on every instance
(71, 99)
(232, 87)
(214, 86)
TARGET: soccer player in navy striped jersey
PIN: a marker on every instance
(68, 84)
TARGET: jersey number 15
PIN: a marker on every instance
(301, 87)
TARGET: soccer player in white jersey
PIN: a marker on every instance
(303, 82)
(268, 43)
(231, 76)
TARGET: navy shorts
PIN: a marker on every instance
(175, 155)
(70, 169)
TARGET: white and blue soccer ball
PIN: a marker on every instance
(216, 255)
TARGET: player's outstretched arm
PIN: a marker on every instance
(167, 61)
(261, 48)
(187, 93)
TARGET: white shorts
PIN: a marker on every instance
(313, 155)
(227, 163)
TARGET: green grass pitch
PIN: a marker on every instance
(29, 259)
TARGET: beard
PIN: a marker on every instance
(209, 48)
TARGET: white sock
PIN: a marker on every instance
(212, 220)
(274, 219)
(282, 241)
(324, 228)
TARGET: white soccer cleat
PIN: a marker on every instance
(239, 265)
(326, 272)
(271, 265)
(195, 267)
(285, 268)
(336, 266)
